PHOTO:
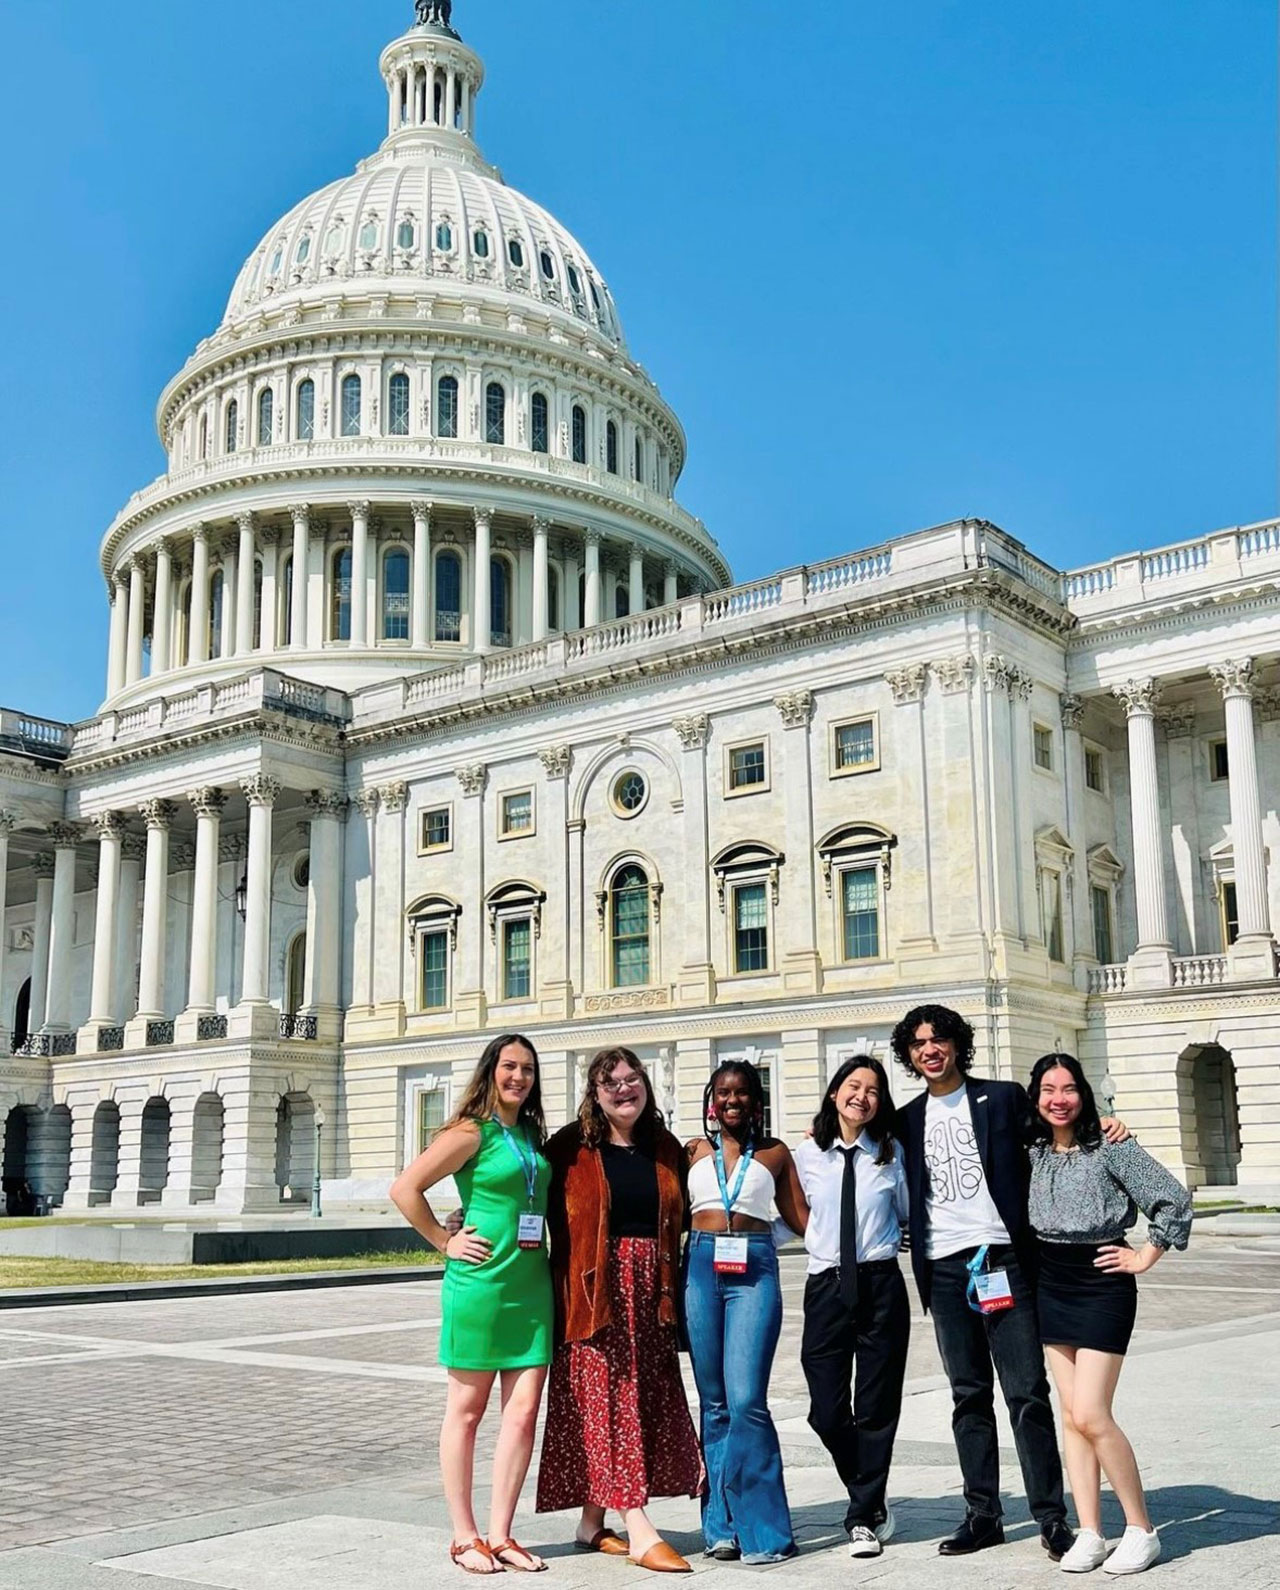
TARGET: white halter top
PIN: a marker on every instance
(755, 1197)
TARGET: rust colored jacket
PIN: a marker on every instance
(578, 1221)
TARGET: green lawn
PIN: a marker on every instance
(19, 1272)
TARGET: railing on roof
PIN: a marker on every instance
(1214, 559)
(42, 738)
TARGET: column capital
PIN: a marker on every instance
(908, 684)
(300, 513)
(42, 864)
(245, 522)
(8, 822)
(1234, 677)
(260, 790)
(483, 517)
(231, 847)
(200, 533)
(208, 800)
(1178, 720)
(366, 802)
(108, 825)
(65, 836)
(394, 797)
(1140, 697)
(692, 730)
(540, 524)
(118, 583)
(473, 778)
(162, 546)
(269, 536)
(133, 847)
(1072, 709)
(421, 508)
(591, 538)
(182, 856)
(795, 708)
(555, 760)
(670, 568)
(358, 510)
(954, 674)
(325, 803)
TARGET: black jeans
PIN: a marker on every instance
(858, 1431)
(969, 1344)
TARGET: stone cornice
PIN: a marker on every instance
(271, 728)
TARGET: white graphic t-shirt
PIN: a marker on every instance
(959, 1208)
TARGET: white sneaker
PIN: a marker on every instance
(1137, 1550)
(863, 1542)
(1088, 1553)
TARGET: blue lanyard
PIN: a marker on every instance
(728, 1195)
(975, 1267)
(529, 1166)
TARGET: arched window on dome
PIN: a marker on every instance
(575, 281)
(629, 933)
(553, 597)
(444, 237)
(340, 595)
(515, 253)
(233, 425)
(398, 404)
(448, 613)
(548, 264)
(480, 243)
(495, 413)
(266, 415)
(611, 448)
(579, 434)
(303, 253)
(351, 405)
(203, 446)
(539, 423)
(406, 235)
(447, 406)
(284, 600)
(395, 595)
(217, 599)
(368, 238)
(639, 460)
(306, 421)
(499, 602)
(621, 600)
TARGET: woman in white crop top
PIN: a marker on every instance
(733, 1308)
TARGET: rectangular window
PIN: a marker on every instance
(1094, 769)
(435, 830)
(1218, 769)
(1043, 746)
(517, 941)
(430, 1115)
(766, 1085)
(1051, 912)
(750, 928)
(747, 767)
(860, 912)
(854, 747)
(517, 813)
(1100, 900)
(1230, 915)
(433, 952)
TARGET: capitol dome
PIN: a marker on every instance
(416, 433)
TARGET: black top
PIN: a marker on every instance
(633, 1191)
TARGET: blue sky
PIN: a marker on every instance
(891, 264)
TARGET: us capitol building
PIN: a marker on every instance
(431, 715)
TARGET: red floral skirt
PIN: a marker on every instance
(618, 1429)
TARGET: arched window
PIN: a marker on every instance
(303, 253)
(448, 624)
(233, 425)
(306, 426)
(447, 406)
(406, 235)
(499, 602)
(398, 405)
(340, 597)
(257, 604)
(204, 436)
(437, 103)
(621, 599)
(575, 283)
(368, 238)
(539, 423)
(548, 264)
(351, 405)
(480, 243)
(639, 460)
(182, 629)
(395, 595)
(444, 237)
(579, 434)
(217, 593)
(266, 413)
(553, 597)
(611, 448)
(495, 413)
(284, 584)
(515, 253)
(629, 928)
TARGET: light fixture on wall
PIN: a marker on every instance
(242, 896)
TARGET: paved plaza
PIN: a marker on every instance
(287, 1442)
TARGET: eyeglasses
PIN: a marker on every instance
(611, 1086)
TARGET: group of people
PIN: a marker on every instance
(593, 1254)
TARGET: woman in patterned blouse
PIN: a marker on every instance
(1085, 1195)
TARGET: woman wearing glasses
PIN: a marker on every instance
(618, 1429)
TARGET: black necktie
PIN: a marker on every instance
(849, 1231)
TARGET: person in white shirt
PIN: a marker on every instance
(855, 1300)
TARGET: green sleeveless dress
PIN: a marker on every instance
(497, 1315)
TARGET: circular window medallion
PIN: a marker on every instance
(630, 792)
(302, 870)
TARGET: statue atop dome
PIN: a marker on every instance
(435, 14)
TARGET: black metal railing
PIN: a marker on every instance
(159, 1032)
(110, 1038)
(210, 1027)
(306, 1027)
(44, 1045)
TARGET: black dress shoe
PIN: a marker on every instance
(975, 1534)
(1057, 1538)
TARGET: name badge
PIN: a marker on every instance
(994, 1291)
(730, 1257)
(529, 1231)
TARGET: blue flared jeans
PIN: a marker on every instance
(733, 1323)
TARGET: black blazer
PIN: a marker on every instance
(1001, 1123)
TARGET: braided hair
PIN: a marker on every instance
(755, 1094)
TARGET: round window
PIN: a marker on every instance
(302, 870)
(630, 792)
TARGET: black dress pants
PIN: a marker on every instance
(857, 1421)
(971, 1344)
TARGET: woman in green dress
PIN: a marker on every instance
(496, 1302)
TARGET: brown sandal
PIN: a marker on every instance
(481, 1548)
(511, 1544)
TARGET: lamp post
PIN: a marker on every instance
(315, 1181)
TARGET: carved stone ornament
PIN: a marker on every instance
(1233, 677)
(182, 856)
(1266, 703)
(395, 797)
(325, 803)
(555, 760)
(1072, 708)
(1140, 696)
(232, 846)
(1019, 682)
(1178, 720)
(133, 847)
(366, 802)
(908, 684)
(8, 822)
(260, 790)
(795, 708)
(473, 778)
(208, 801)
(954, 674)
(42, 864)
(632, 999)
(692, 730)
(64, 836)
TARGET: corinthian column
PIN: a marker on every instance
(162, 618)
(62, 918)
(137, 613)
(359, 573)
(540, 528)
(198, 612)
(421, 609)
(591, 593)
(298, 591)
(118, 591)
(1251, 955)
(208, 804)
(1150, 961)
(261, 793)
(110, 826)
(481, 626)
(245, 579)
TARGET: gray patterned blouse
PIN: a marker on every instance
(1093, 1195)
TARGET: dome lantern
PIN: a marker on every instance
(432, 81)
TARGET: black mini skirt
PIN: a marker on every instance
(1081, 1306)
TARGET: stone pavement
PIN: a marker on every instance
(287, 1442)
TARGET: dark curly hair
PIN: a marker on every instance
(1088, 1128)
(826, 1123)
(591, 1118)
(755, 1093)
(946, 1023)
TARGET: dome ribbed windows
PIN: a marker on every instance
(398, 404)
(444, 237)
(447, 406)
(548, 264)
(495, 413)
(406, 235)
(611, 448)
(303, 252)
(351, 405)
(539, 423)
(480, 243)
(233, 425)
(448, 618)
(515, 253)
(369, 234)
(306, 426)
(266, 413)
(579, 434)
(575, 283)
